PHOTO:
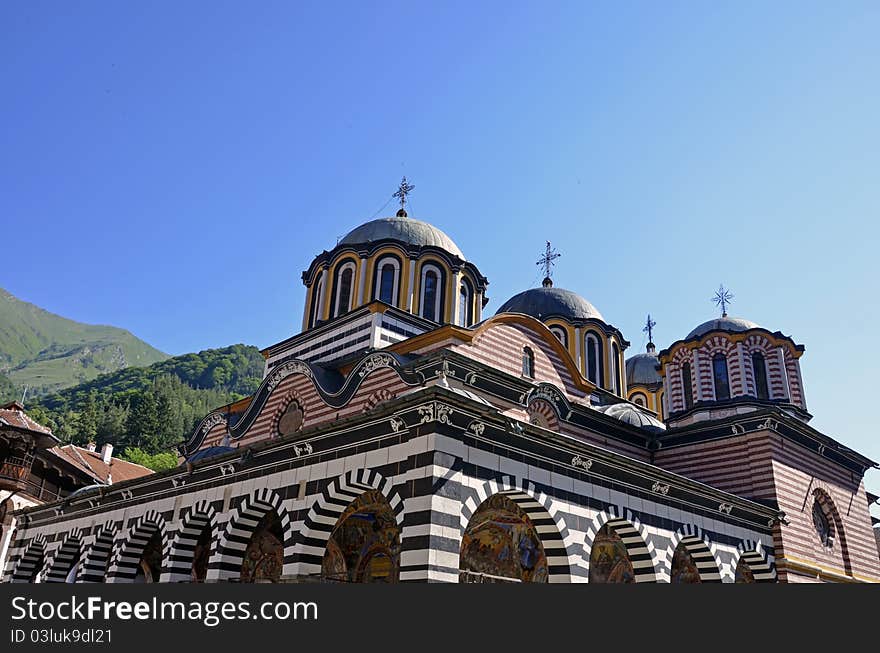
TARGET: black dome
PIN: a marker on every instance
(547, 302)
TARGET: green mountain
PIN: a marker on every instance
(152, 408)
(47, 352)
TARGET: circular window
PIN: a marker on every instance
(292, 419)
(822, 525)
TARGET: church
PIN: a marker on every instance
(404, 436)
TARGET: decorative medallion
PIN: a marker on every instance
(584, 463)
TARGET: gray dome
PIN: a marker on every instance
(402, 229)
(641, 369)
(543, 303)
(634, 417)
(722, 324)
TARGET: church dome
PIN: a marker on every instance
(641, 369)
(724, 323)
(629, 415)
(402, 229)
(547, 302)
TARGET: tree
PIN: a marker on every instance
(158, 462)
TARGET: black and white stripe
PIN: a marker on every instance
(31, 561)
(180, 558)
(65, 557)
(550, 528)
(634, 536)
(96, 560)
(226, 562)
(702, 550)
(759, 563)
(124, 565)
(326, 510)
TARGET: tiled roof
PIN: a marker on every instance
(92, 464)
(13, 415)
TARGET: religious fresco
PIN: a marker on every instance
(365, 545)
(501, 541)
(684, 567)
(743, 573)
(264, 556)
(201, 554)
(609, 559)
(150, 565)
(292, 419)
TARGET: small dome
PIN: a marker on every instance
(404, 230)
(634, 417)
(724, 323)
(641, 369)
(210, 452)
(547, 302)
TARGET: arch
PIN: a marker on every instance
(317, 295)
(616, 380)
(759, 563)
(228, 557)
(595, 367)
(822, 497)
(702, 550)
(635, 538)
(276, 427)
(543, 413)
(96, 559)
(528, 362)
(124, 566)
(181, 553)
(432, 284)
(639, 399)
(687, 385)
(377, 397)
(559, 331)
(65, 558)
(343, 286)
(720, 376)
(759, 375)
(329, 506)
(31, 562)
(465, 303)
(387, 287)
(555, 537)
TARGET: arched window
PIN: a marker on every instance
(759, 367)
(822, 525)
(316, 302)
(594, 357)
(615, 368)
(387, 280)
(640, 400)
(344, 282)
(464, 305)
(719, 370)
(430, 303)
(661, 399)
(686, 386)
(559, 332)
(528, 363)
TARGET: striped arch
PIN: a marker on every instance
(702, 550)
(123, 567)
(328, 507)
(543, 413)
(292, 396)
(642, 555)
(759, 561)
(822, 496)
(31, 561)
(379, 396)
(549, 526)
(182, 549)
(65, 557)
(225, 563)
(96, 558)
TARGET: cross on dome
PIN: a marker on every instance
(722, 298)
(547, 260)
(403, 190)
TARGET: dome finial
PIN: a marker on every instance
(649, 329)
(722, 298)
(547, 261)
(402, 191)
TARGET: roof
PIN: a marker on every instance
(13, 415)
(92, 464)
(723, 323)
(641, 369)
(547, 302)
(629, 414)
(402, 229)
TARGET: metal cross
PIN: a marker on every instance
(722, 298)
(649, 328)
(404, 190)
(547, 260)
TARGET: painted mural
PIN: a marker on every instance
(365, 545)
(684, 567)
(609, 559)
(264, 556)
(501, 543)
(743, 573)
(150, 565)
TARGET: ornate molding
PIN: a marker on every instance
(286, 369)
(738, 429)
(477, 427)
(211, 421)
(304, 450)
(584, 463)
(177, 482)
(228, 468)
(770, 423)
(126, 494)
(397, 424)
(725, 508)
(660, 488)
(376, 361)
(435, 412)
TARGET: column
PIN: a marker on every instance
(456, 304)
(577, 351)
(780, 352)
(362, 281)
(695, 364)
(741, 352)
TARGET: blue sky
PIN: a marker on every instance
(173, 168)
